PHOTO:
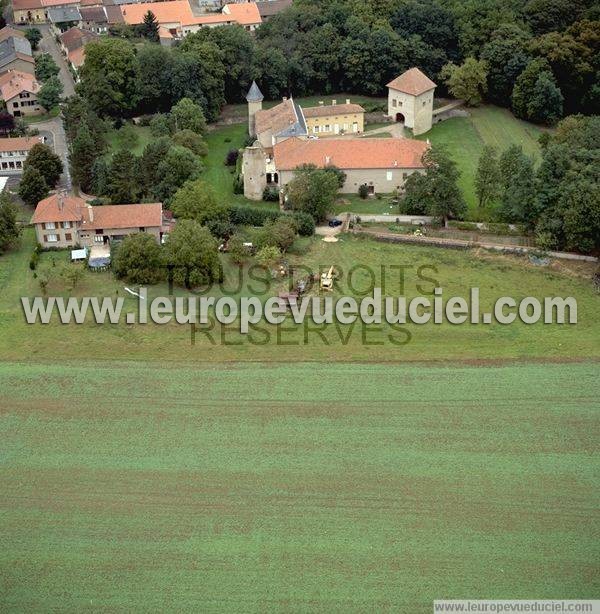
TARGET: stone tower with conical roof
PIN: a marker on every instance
(254, 98)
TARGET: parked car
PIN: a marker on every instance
(334, 223)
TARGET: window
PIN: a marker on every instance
(355, 127)
(51, 238)
(399, 103)
(424, 102)
(315, 129)
(389, 175)
(394, 102)
(49, 226)
(68, 236)
(66, 225)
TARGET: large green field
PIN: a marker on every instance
(295, 488)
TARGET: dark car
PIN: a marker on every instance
(334, 223)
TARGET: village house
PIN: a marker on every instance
(8, 32)
(65, 221)
(15, 54)
(329, 120)
(94, 19)
(269, 8)
(410, 100)
(62, 18)
(73, 43)
(14, 151)
(36, 11)
(19, 92)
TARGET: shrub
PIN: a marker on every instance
(363, 190)
(35, 258)
(271, 194)
(246, 215)
(238, 184)
(305, 223)
(144, 120)
(232, 157)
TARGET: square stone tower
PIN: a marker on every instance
(410, 100)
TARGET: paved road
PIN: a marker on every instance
(49, 45)
(55, 132)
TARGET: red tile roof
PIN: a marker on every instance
(7, 32)
(332, 109)
(349, 153)
(57, 208)
(60, 208)
(174, 11)
(20, 143)
(413, 81)
(14, 82)
(246, 14)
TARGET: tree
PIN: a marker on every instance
(124, 186)
(506, 56)
(46, 161)
(191, 252)
(50, 93)
(338, 173)
(195, 200)
(313, 191)
(192, 141)
(154, 153)
(467, 81)
(108, 77)
(188, 115)
(518, 202)
(10, 231)
(34, 36)
(138, 259)
(236, 249)
(82, 156)
(149, 27)
(488, 178)
(437, 189)
(45, 67)
(268, 256)
(535, 95)
(179, 165)
(72, 274)
(280, 233)
(7, 122)
(33, 187)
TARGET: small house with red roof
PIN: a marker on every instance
(63, 220)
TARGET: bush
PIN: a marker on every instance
(34, 261)
(246, 215)
(144, 120)
(305, 223)
(232, 157)
(271, 194)
(363, 190)
(238, 184)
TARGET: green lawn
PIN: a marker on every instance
(117, 139)
(464, 138)
(355, 204)
(455, 271)
(292, 488)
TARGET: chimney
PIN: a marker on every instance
(347, 100)
(91, 213)
(395, 162)
(327, 160)
(61, 201)
(334, 102)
